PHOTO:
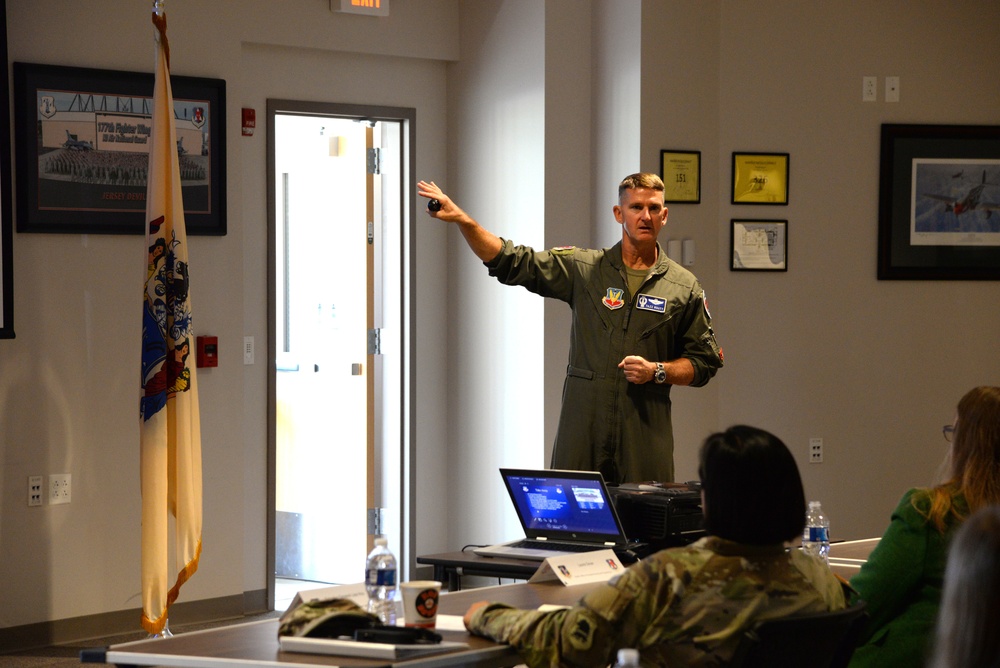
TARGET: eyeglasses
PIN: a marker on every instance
(948, 430)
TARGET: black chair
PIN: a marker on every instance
(818, 640)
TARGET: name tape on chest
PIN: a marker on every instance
(651, 303)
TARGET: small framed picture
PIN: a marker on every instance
(760, 178)
(759, 245)
(681, 174)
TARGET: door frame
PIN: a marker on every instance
(406, 116)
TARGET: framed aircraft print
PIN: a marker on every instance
(939, 202)
(6, 221)
(81, 149)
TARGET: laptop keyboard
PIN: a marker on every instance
(561, 547)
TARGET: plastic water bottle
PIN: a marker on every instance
(816, 536)
(380, 581)
(627, 658)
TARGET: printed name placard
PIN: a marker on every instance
(579, 568)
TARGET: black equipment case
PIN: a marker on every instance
(661, 514)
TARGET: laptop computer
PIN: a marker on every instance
(562, 512)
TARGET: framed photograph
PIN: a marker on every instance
(760, 178)
(81, 140)
(681, 174)
(939, 202)
(6, 218)
(758, 245)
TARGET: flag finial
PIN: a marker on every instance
(158, 7)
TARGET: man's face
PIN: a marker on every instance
(642, 214)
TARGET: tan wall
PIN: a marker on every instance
(823, 350)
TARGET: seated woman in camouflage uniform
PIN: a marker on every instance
(687, 606)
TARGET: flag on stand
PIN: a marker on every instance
(169, 422)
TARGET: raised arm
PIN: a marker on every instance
(483, 243)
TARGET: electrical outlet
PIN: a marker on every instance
(892, 89)
(815, 450)
(60, 488)
(248, 350)
(869, 89)
(34, 490)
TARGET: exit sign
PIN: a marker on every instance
(366, 7)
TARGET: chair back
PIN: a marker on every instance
(818, 640)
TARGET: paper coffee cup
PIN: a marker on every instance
(420, 602)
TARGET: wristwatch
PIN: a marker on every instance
(660, 375)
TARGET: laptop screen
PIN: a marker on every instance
(568, 505)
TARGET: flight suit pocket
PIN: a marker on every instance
(577, 372)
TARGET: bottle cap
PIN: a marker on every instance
(382, 540)
(628, 656)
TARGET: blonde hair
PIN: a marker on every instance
(640, 180)
(975, 461)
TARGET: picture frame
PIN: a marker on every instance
(758, 245)
(6, 210)
(681, 175)
(760, 178)
(939, 202)
(81, 149)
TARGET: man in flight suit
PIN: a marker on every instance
(640, 325)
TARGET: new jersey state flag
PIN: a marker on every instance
(170, 428)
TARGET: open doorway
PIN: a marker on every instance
(339, 214)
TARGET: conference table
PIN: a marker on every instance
(845, 557)
(255, 644)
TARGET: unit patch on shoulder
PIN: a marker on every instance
(651, 303)
(613, 299)
(563, 250)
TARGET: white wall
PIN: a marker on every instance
(496, 165)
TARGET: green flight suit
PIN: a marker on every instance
(608, 424)
(685, 606)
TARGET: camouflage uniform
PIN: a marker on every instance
(607, 424)
(306, 617)
(680, 607)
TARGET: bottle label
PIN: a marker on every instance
(819, 534)
(385, 577)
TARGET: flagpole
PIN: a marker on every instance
(165, 632)
(170, 431)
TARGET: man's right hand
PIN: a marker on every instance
(448, 210)
(483, 243)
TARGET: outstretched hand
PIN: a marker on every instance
(447, 210)
(483, 243)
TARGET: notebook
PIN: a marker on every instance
(562, 512)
